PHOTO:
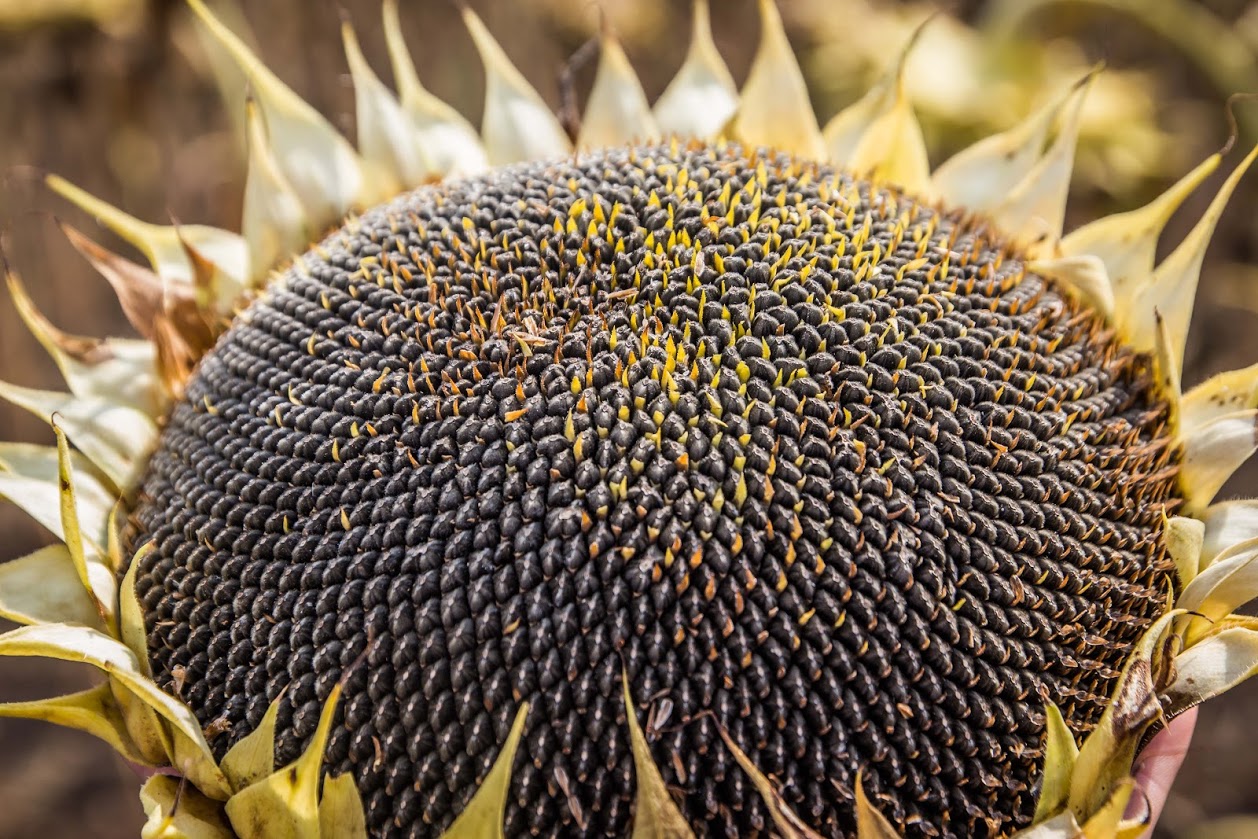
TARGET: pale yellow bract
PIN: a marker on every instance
(304, 177)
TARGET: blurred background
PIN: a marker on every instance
(117, 96)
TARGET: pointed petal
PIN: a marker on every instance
(1183, 537)
(29, 479)
(1060, 753)
(482, 817)
(775, 109)
(1166, 368)
(88, 557)
(1215, 665)
(162, 245)
(891, 149)
(1104, 823)
(1173, 287)
(117, 370)
(1106, 756)
(617, 112)
(322, 166)
(981, 176)
(44, 587)
(81, 644)
(341, 814)
(517, 125)
(131, 629)
(655, 814)
(702, 97)
(1228, 524)
(93, 711)
(450, 143)
(871, 824)
(1127, 242)
(1226, 393)
(845, 131)
(253, 758)
(1084, 276)
(1230, 582)
(275, 223)
(284, 805)
(1035, 209)
(385, 137)
(788, 824)
(1212, 452)
(146, 729)
(175, 810)
(116, 438)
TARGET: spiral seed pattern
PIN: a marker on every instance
(805, 458)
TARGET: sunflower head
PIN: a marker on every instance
(706, 471)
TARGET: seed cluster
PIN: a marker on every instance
(806, 459)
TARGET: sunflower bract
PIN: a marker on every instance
(807, 459)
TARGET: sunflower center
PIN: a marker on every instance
(805, 459)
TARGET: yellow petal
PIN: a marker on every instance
(162, 245)
(117, 370)
(1106, 756)
(1060, 753)
(1167, 369)
(253, 758)
(1127, 242)
(274, 222)
(341, 814)
(483, 815)
(1215, 665)
(29, 479)
(1228, 523)
(88, 557)
(702, 97)
(1228, 392)
(774, 109)
(385, 137)
(285, 804)
(1212, 452)
(93, 711)
(655, 814)
(1083, 276)
(981, 176)
(323, 168)
(131, 629)
(845, 131)
(1173, 286)
(870, 824)
(517, 124)
(1035, 208)
(116, 438)
(1104, 823)
(788, 824)
(146, 729)
(1228, 583)
(81, 644)
(450, 143)
(175, 813)
(891, 149)
(44, 587)
(617, 112)
(1183, 537)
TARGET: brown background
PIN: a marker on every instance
(123, 111)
